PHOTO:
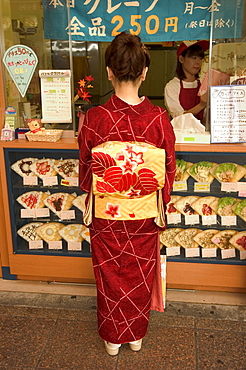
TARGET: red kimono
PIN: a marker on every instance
(124, 253)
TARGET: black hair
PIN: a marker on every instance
(193, 50)
(127, 56)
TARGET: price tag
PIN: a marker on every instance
(209, 252)
(56, 244)
(209, 220)
(42, 212)
(229, 186)
(228, 220)
(74, 246)
(192, 252)
(202, 187)
(242, 193)
(242, 255)
(174, 219)
(180, 185)
(67, 215)
(30, 180)
(50, 181)
(36, 244)
(28, 213)
(228, 253)
(191, 219)
(241, 186)
(73, 181)
(173, 251)
(65, 182)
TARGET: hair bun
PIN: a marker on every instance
(126, 56)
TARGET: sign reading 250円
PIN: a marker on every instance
(152, 20)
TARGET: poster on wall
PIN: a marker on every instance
(20, 61)
(152, 20)
(56, 96)
(228, 113)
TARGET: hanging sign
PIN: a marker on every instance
(228, 114)
(152, 20)
(20, 61)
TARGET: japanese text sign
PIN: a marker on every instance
(228, 114)
(152, 20)
(20, 62)
(56, 97)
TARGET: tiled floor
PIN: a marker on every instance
(40, 330)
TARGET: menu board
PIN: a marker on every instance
(56, 96)
(228, 114)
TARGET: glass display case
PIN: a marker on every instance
(51, 188)
(215, 206)
(44, 193)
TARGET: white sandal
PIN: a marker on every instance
(112, 348)
(136, 346)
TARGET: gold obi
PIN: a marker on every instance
(126, 178)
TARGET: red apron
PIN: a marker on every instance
(188, 98)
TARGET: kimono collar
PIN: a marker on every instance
(122, 106)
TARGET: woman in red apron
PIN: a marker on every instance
(181, 93)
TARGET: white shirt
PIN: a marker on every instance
(171, 95)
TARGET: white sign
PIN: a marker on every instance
(228, 114)
(21, 62)
(56, 96)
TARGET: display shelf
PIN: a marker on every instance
(215, 191)
(16, 188)
(182, 273)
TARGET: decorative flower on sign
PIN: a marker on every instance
(84, 87)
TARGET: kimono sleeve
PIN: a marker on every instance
(169, 146)
(85, 159)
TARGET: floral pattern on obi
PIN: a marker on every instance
(126, 175)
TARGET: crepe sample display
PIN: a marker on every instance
(239, 240)
(71, 233)
(171, 209)
(85, 233)
(29, 231)
(23, 167)
(225, 206)
(184, 205)
(228, 172)
(201, 171)
(204, 238)
(222, 239)
(203, 206)
(58, 202)
(32, 199)
(167, 237)
(181, 170)
(50, 231)
(67, 167)
(79, 202)
(240, 209)
(186, 238)
(44, 167)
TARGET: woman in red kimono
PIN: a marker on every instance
(127, 167)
